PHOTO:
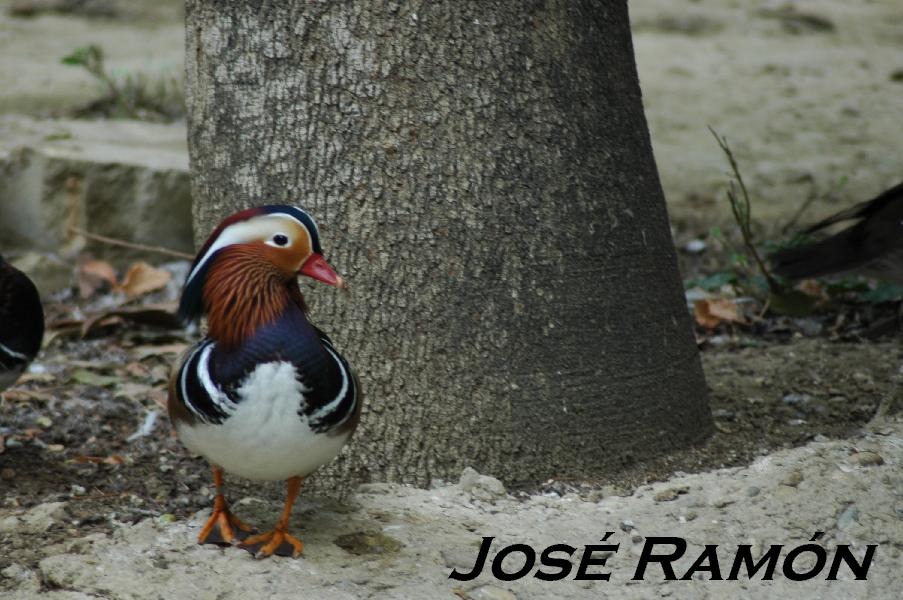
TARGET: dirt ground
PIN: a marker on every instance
(88, 513)
(809, 434)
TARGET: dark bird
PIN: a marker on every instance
(265, 395)
(872, 246)
(21, 323)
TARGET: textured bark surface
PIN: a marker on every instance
(482, 175)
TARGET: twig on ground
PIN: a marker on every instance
(117, 242)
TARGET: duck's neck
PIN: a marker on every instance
(243, 292)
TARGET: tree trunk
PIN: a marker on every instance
(483, 177)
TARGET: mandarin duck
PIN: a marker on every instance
(21, 323)
(265, 395)
(873, 246)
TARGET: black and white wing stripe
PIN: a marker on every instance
(343, 404)
(210, 379)
(196, 389)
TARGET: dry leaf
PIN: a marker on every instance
(160, 397)
(44, 377)
(142, 352)
(92, 275)
(811, 287)
(113, 459)
(29, 434)
(137, 370)
(97, 324)
(90, 378)
(22, 395)
(156, 315)
(709, 313)
(142, 278)
(133, 390)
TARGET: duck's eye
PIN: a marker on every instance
(280, 239)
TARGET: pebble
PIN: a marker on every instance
(849, 516)
(796, 399)
(866, 459)
(491, 592)
(595, 496)
(38, 519)
(666, 495)
(25, 578)
(792, 479)
(695, 246)
(481, 487)
(752, 491)
(458, 558)
(8, 474)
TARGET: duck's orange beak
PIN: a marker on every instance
(317, 268)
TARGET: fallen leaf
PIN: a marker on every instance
(93, 275)
(39, 377)
(89, 378)
(159, 396)
(20, 395)
(156, 315)
(161, 315)
(812, 287)
(61, 329)
(137, 370)
(142, 278)
(709, 313)
(113, 459)
(133, 390)
(142, 352)
(98, 323)
(29, 434)
(160, 373)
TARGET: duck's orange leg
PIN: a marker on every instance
(278, 541)
(222, 527)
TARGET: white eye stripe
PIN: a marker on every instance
(242, 232)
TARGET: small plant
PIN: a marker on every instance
(135, 96)
(748, 272)
(741, 207)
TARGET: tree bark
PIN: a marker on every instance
(482, 174)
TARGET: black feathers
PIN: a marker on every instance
(330, 393)
(872, 246)
(21, 318)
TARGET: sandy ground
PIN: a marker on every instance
(807, 92)
(398, 542)
(806, 97)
